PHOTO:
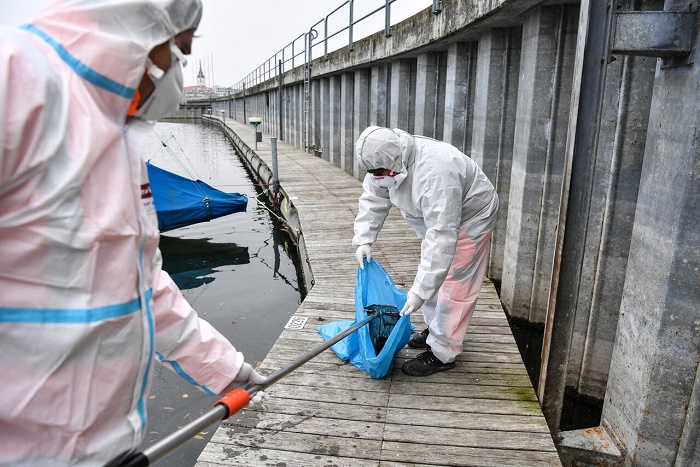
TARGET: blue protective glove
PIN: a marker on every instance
(413, 302)
(363, 251)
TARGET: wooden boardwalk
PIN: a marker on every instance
(329, 413)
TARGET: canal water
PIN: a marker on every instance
(239, 272)
(577, 412)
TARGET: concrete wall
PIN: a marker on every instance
(597, 165)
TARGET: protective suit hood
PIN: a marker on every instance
(107, 42)
(383, 148)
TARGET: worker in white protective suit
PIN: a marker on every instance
(451, 205)
(84, 305)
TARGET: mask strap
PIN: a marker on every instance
(153, 71)
(178, 53)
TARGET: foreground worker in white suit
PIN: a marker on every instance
(84, 305)
(451, 205)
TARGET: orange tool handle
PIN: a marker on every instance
(234, 401)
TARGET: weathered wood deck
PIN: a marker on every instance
(483, 412)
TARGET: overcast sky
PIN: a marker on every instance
(237, 36)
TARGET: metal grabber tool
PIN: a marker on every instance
(231, 403)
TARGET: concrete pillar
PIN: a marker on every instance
(315, 109)
(653, 396)
(380, 88)
(402, 98)
(335, 116)
(301, 101)
(347, 143)
(299, 115)
(441, 95)
(495, 98)
(296, 105)
(361, 107)
(544, 92)
(325, 117)
(306, 118)
(271, 111)
(460, 84)
(604, 159)
(606, 231)
(287, 103)
(426, 94)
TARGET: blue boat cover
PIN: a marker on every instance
(374, 290)
(180, 201)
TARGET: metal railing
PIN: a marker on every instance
(301, 49)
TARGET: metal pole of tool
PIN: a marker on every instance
(232, 402)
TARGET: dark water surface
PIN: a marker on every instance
(577, 412)
(239, 272)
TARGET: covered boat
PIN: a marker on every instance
(181, 201)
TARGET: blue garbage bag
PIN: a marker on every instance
(373, 347)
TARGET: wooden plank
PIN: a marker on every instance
(446, 419)
(403, 454)
(308, 424)
(473, 406)
(321, 409)
(341, 396)
(418, 388)
(507, 440)
(291, 442)
(219, 453)
(485, 372)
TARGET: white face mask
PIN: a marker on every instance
(384, 181)
(169, 88)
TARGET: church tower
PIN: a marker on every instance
(200, 77)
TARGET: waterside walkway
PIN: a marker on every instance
(484, 412)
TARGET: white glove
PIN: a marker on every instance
(248, 374)
(413, 302)
(363, 251)
(257, 398)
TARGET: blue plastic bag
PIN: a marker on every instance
(374, 289)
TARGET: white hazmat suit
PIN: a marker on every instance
(84, 305)
(450, 204)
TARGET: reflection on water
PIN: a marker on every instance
(240, 272)
(191, 261)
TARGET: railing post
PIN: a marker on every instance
(351, 45)
(325, 38)
(279, 102)
(387, 18)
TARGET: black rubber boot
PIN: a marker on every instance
(417, 340)
(425, 364)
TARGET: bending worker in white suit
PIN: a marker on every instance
(85, 308)
(451, 205)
